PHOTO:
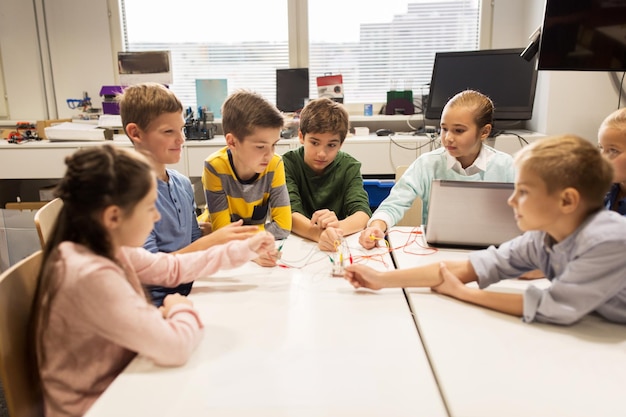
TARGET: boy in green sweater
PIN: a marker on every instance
(325, 184)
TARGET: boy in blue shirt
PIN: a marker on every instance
(325, 184)
(558, 202)
(152, 117)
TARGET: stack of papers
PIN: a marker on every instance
(110, 120)
(77, 131)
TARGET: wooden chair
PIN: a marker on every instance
(413, 216)
(17, 291)
(45, 218)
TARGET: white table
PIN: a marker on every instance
(492, 364)
(288, 342)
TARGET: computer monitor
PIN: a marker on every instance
(501, 74)
(292, 89)
(583, 35)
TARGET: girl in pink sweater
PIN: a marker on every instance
(91, 315)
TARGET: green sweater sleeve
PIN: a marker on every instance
(293, 175)
(356, 198)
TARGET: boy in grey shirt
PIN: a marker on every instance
(558, 202)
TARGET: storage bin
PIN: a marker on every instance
(18, 236)
(377, 191)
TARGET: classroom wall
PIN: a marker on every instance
(21, 61)
(81, 59)
(508, 24)
(64, 40)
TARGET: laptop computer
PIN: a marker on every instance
(470, 214)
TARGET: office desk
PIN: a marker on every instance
(45, 159)
(492, 364)
(288, 342)
(42, 159)
(379, 155)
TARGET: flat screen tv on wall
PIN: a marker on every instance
(583, 35)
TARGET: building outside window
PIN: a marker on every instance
(376, 46)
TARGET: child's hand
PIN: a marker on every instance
(370, 236)
(324, 219)
(450, 284)
(364, 276)
(268, 259)
(233, 231)
(535, 274)
(205, 227)
(329, 238)
(262, 243)
(171, 300)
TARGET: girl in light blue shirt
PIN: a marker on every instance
(466, 122)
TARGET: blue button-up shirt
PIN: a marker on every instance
(176, 229)
(587, 270)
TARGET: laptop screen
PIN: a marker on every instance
(470, 214)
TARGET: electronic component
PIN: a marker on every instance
(201, 128)
(340, 258)
(24, 132)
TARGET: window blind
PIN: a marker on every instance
(242, 41)
(376, 46)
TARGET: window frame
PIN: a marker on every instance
(298, 35)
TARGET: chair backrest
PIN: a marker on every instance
(45, 218)
(17, 292)
(413, 216)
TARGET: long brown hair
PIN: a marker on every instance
(96, 178)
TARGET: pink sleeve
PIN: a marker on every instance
(105, 303)
(171, 270)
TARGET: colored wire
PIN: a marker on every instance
(414, 238)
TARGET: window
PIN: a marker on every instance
(375, 45)
(384, 45)
(243, 41)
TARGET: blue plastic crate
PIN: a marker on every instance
(377, 190)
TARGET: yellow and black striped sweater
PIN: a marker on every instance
(263, 201)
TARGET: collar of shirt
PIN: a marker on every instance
(568, 244)
(479, 164)
(611, 199)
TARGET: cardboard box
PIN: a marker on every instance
(18, 236)
(42, 124)
(330, 86)
(25, 205)
(4, 133)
